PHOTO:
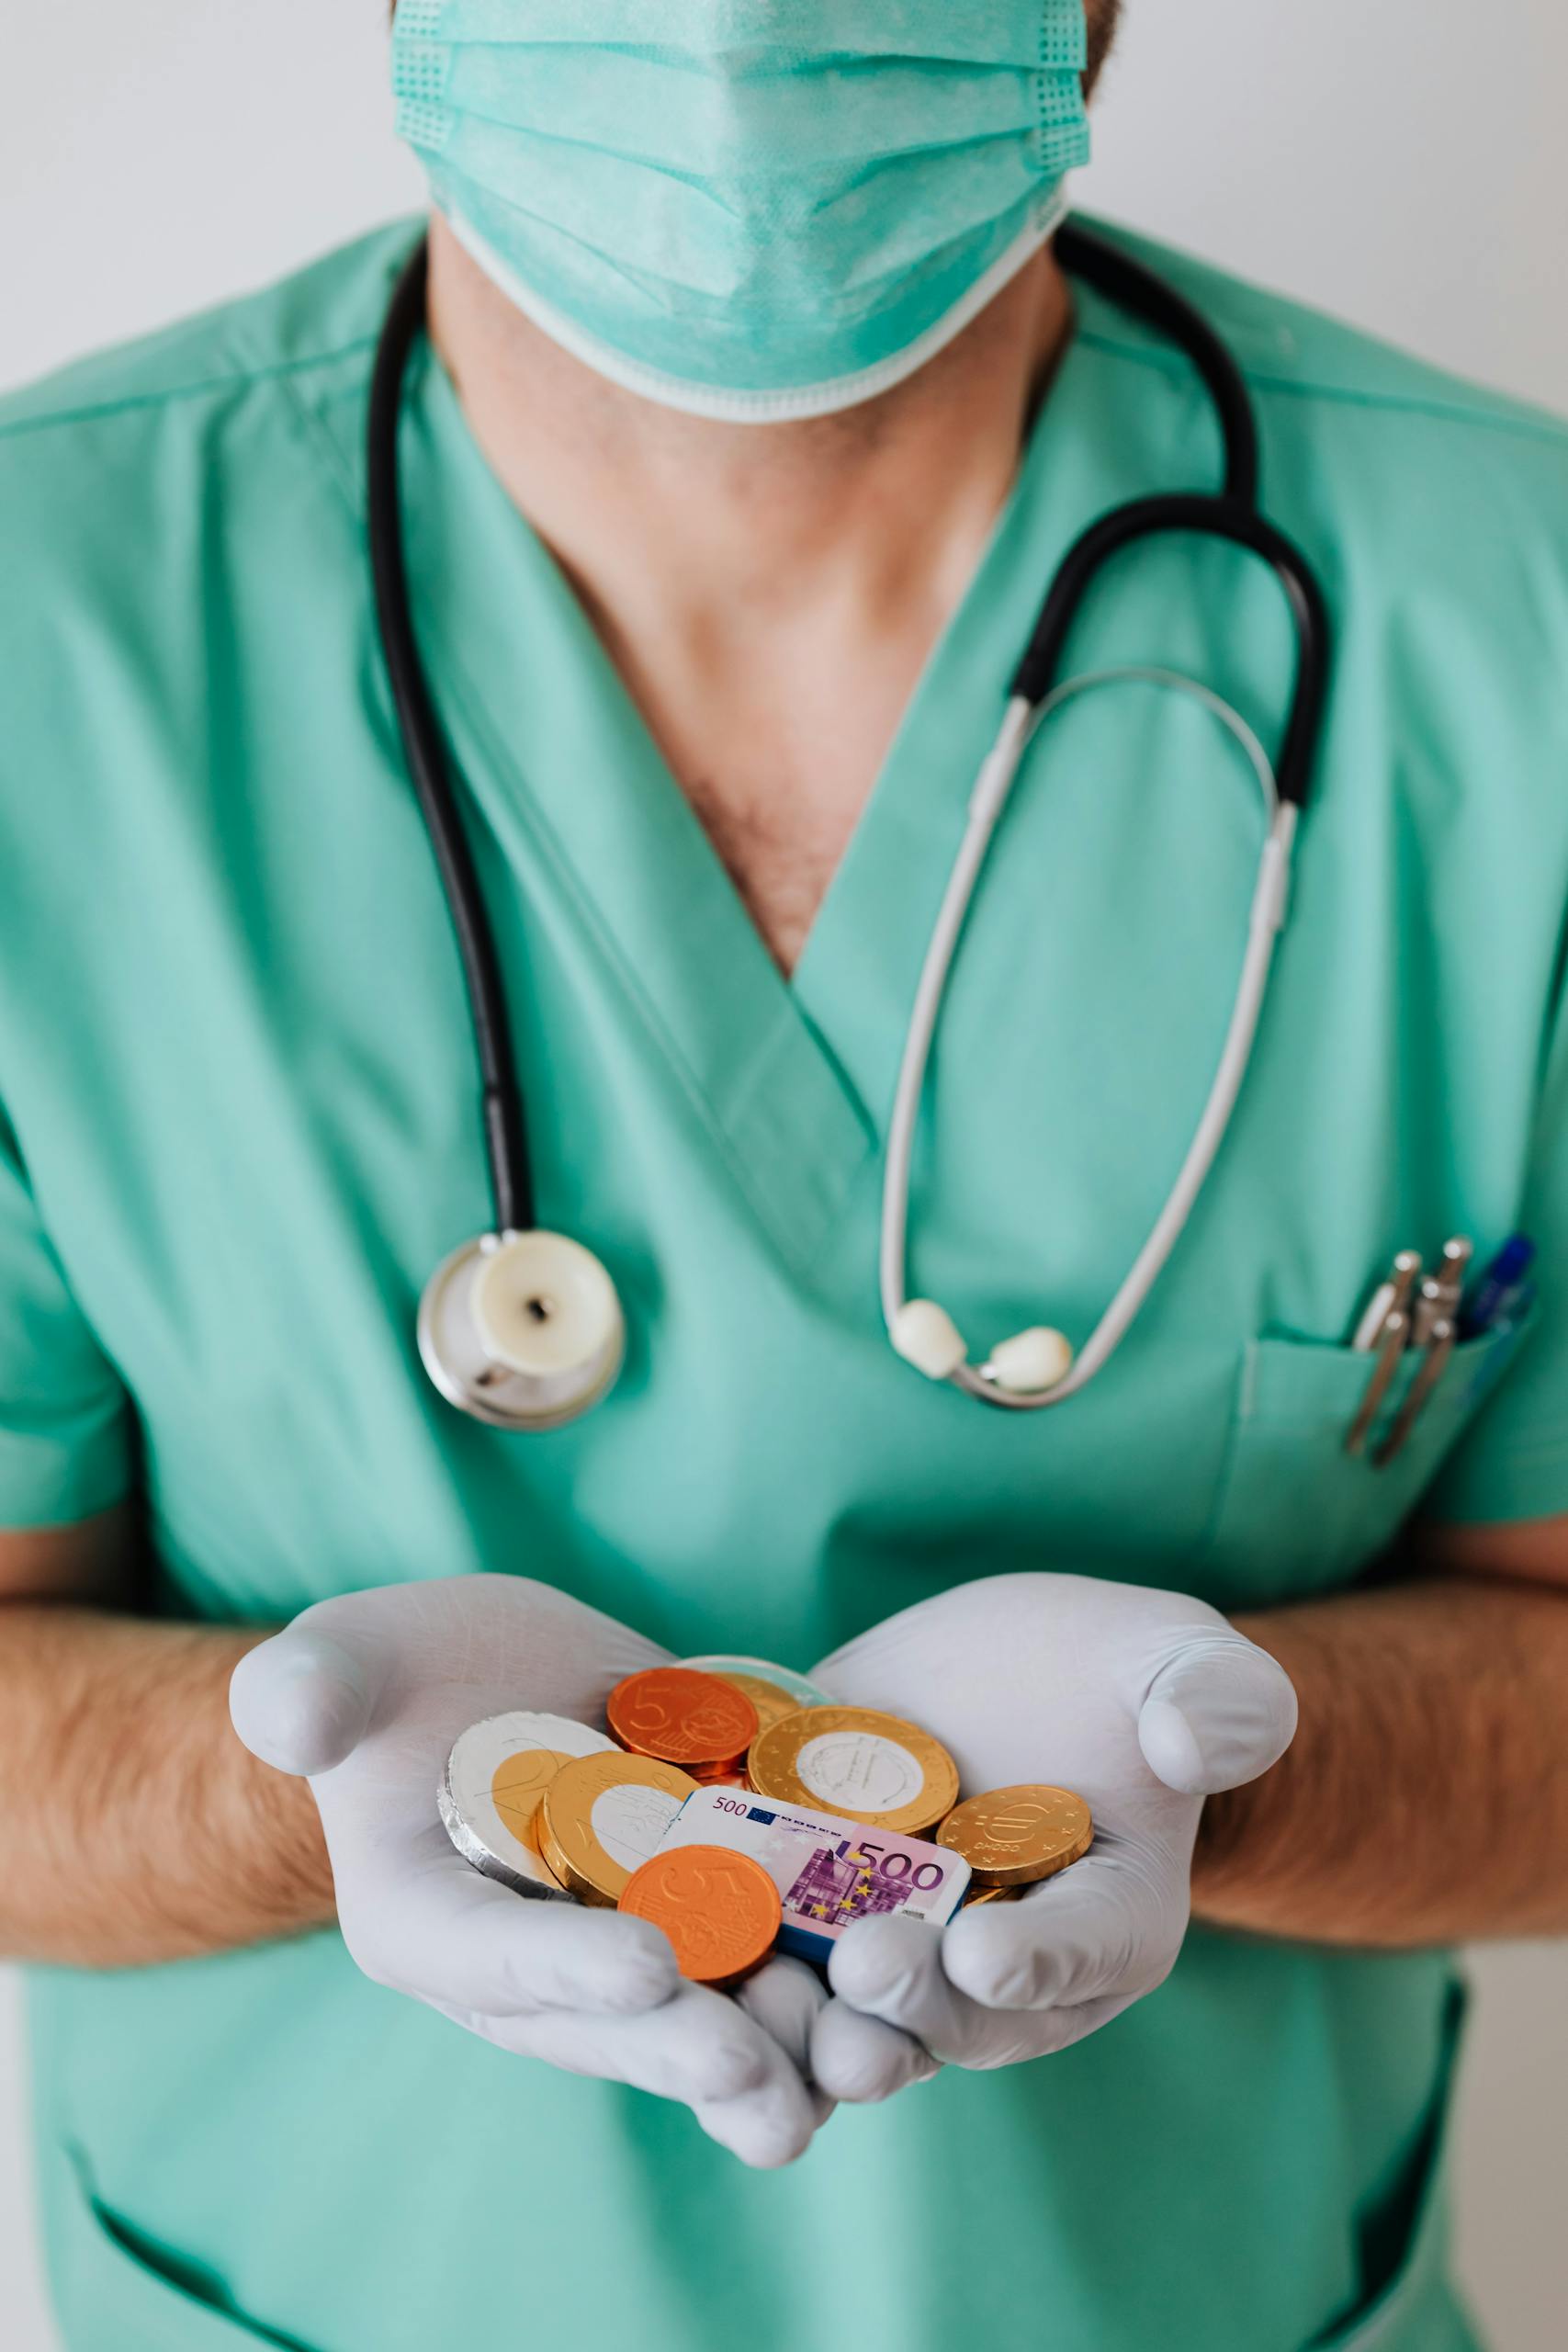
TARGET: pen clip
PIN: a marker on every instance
(1440, 1348)
(1393, 1339)
(1442, 1290)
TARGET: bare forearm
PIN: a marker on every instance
(133, 1825)
(1425, 1798)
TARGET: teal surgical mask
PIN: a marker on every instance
(751, 209)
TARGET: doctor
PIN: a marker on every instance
(756, 411)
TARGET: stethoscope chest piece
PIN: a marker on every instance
(522, 1330)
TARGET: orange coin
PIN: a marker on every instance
(681, 1716)
(719, 1909)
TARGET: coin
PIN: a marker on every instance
(770, 1698)
(744, 1671)
(519, 1785)
(491, 1788)
(978, 1895)
(719, 1909)
(682, 1717)
(853, 1760)
(601, 1819)
(1014, 1837)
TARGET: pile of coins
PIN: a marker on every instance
(724, 1804)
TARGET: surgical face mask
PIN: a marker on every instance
(751, 209)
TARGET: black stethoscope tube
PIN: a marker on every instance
(1232, 514)
(1219, 518)
(1132, 288)
(506, 1140)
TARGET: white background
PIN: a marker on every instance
(1398, 161)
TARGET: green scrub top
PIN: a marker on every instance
(240, 1130)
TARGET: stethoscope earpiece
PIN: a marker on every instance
(1030, 1365)
(925, 1334)
(522, 1330)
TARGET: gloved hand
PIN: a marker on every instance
(366, 1695)
(1142, 1702)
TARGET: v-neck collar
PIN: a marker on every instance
(792, 1078)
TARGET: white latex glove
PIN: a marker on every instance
(1142, 1702)
(366, 1695)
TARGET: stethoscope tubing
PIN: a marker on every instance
(505, 1128)
(993, 789)
(1113, 273)
(1231, 516)
(1202, 517)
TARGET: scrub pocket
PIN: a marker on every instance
(1295, 1514)
(113, 2296)
(1411, 2306)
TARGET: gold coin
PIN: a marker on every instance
(537, 1848)
(518, 1789)
(601, 1817)
(1015, 1836)
(978, 1895)
(770, 1701)
(868, 1766)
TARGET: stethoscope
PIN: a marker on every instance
(523, 1328)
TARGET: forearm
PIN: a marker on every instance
(133, 1825)
(1425, 1800)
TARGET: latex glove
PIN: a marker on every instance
(1143, 1703)
(366, 1695)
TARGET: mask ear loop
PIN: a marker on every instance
(918, 1329)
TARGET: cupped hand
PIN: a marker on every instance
(365, 1696)
(1142, 1702)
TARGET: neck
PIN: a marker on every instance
(769, 593)
(667, 522)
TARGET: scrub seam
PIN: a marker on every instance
(133, 403)
(1536, 1453)
(800, 1254)
(1545, 429)
(1243, 1404)
(336, 456)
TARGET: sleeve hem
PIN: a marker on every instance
(1532, 1483)
(45, 1484)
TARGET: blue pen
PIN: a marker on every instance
(1499, 1295)
(1505, 1331)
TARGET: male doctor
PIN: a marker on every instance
(755, 414)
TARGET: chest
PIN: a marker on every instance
(282, 1143)
(779, 761)
(253, 1123)
(779, 831)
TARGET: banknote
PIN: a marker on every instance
(830, 1872)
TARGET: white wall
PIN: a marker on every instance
(1399, 161)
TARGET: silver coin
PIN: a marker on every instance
(465, 1798)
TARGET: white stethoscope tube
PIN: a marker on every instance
(920, 1330)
